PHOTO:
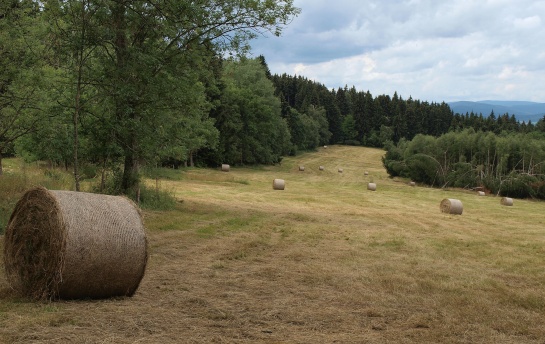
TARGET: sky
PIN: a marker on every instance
(430, 50)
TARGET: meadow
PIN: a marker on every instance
(323, 261)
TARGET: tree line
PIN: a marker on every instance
(106, 87)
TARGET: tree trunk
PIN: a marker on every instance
(129, 183)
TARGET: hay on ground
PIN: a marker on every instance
(451, 206)
(279, 184)
(301, 168)
(321, 168)
(225, 167)
(412, 184)
(372, 186)
(506, 201)
(340, 170)
(71, 245)
(366, 173)
(481, 193)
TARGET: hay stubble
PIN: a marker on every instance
(323, 261)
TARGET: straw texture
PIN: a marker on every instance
(71, 245)
(225, 167)
(372, 186)
(451, 206)
(279, 184)
(366, 173)
(321, 168)
(340, 170)
(506, 201)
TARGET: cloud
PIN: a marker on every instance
(430, 50)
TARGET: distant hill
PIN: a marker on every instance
(523, 110)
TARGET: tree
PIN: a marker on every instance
(23, 96)
(151, 50)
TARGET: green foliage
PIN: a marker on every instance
(511, 164)
(156, 199)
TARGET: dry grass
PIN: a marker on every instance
(323, 261)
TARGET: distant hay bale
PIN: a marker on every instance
(451, 206)
(321, 168)
(412, 184)
(506, 201)
(340, 170)
(301, 168)
(72, 245)
(225, 167)
(372, 186)
(325, 146)
(481, 193)
(279, 184)
(366, 173)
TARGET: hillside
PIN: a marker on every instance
(523, 110)
(323, 261)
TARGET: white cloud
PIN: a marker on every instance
(431, 50)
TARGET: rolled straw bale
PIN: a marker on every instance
(451, 206)
(481, 193)
(225, 167)
(279, 184)
(412, 183)
(506, 201)
(366, 173)
(340, 170)
(301, 168)
(372, 186)
(321, 168)
(325, 146)
(71, 245)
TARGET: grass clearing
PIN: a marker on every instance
(324, 260)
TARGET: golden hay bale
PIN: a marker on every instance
(340, 170)
(225, 167)
(372, 186)
(301, 168)
(506, 201)
(70, 245)
(325, 146)
(451, 206)
(321, 168)
(481, 193)
(412, 184)
(366, 173)
(279, 184)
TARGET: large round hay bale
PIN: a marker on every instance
(225, 167)
(372, 186)
(506, 201)
(481, 193)
(301, 168)
(340, 170)
(366, 173)
(412, 184)
(279, 184)
(451, 206)
(71, 245)
(321, 168)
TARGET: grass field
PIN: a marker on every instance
(323, 261)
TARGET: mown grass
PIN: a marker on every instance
(325, 260)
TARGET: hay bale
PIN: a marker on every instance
(412, 184)
(481, 193)
(321, 168)
(325, 147)
(451, 206)
(506, 201)
(366, 173)
(279, 184)
(225, 167)
(372, 186)
(340, 170)
(301, 168)
(71, 245)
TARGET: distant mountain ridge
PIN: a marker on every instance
(523, 110)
